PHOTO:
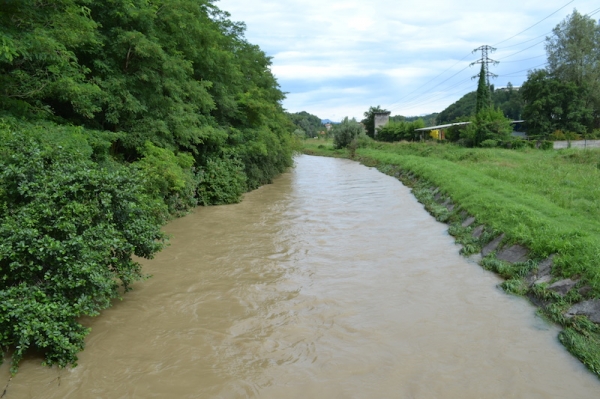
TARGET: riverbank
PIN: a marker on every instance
(532, 216)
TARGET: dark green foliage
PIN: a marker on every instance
(396, 131)
(176, 108)
(346, 132)
(553, 104)
(487, 128)
(38, 61)
(484, 97)
(565, 96)
(222, 181)
(507, 99)
(428, 120)
(310, 124)
(68, 230)
(510, 101)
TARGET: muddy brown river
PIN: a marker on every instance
(333, 282)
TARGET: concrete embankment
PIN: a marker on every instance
(563, 301)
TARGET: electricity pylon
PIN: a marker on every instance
(485, 60)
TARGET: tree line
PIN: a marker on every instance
(558, 102)
(114, 117)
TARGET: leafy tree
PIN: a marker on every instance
(484, 99)
(38, 62)
(175, 108)
(346, 132)
(566, 95)
(396, 131)
(68, 229)
(509, 100)
(553, 104)
(487, 124)
(574, 56)
(369, 120)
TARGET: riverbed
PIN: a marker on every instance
(333, 282)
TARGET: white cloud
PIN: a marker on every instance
(337, 58)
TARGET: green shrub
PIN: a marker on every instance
(222, 181)
(346, 132)
(169, 177)
(489, 143)
(68, 230)
(488, 124)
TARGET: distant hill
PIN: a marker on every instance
(324, 121)
(430, 119)
(310, 124)
(507, 99)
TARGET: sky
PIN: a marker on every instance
(337, 58)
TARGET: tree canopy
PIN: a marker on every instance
(566, 94)
(310, 124)
(115, 116)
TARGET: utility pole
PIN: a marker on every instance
(485, 60)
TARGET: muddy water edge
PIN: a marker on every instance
(331, 282)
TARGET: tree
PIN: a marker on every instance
(310, 124)
(68, 230)
(484, 100)
(346, 132)
(369, 120)
(507, 99)
(574, 56)
(489, 125)
(553, 104)
(173, 107)
(566, 95)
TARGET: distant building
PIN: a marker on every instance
(381, 119)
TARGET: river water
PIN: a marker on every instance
(333, 282)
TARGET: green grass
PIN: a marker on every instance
(548, 201)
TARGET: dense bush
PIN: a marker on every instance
(222, 181)
(169, 177)
(346, 132)
(396, 131)
(176, 108)
(488, 124)
(68, 229)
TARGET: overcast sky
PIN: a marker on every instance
(336, 58)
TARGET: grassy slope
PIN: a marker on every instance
(548, 201)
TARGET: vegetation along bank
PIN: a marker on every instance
(114, 117)
(533, 215)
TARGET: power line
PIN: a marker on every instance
(528, 69)
(525, 59)
(537, 23)
(431, 80)
(520, 51)
(419, 99)
(435, 96)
